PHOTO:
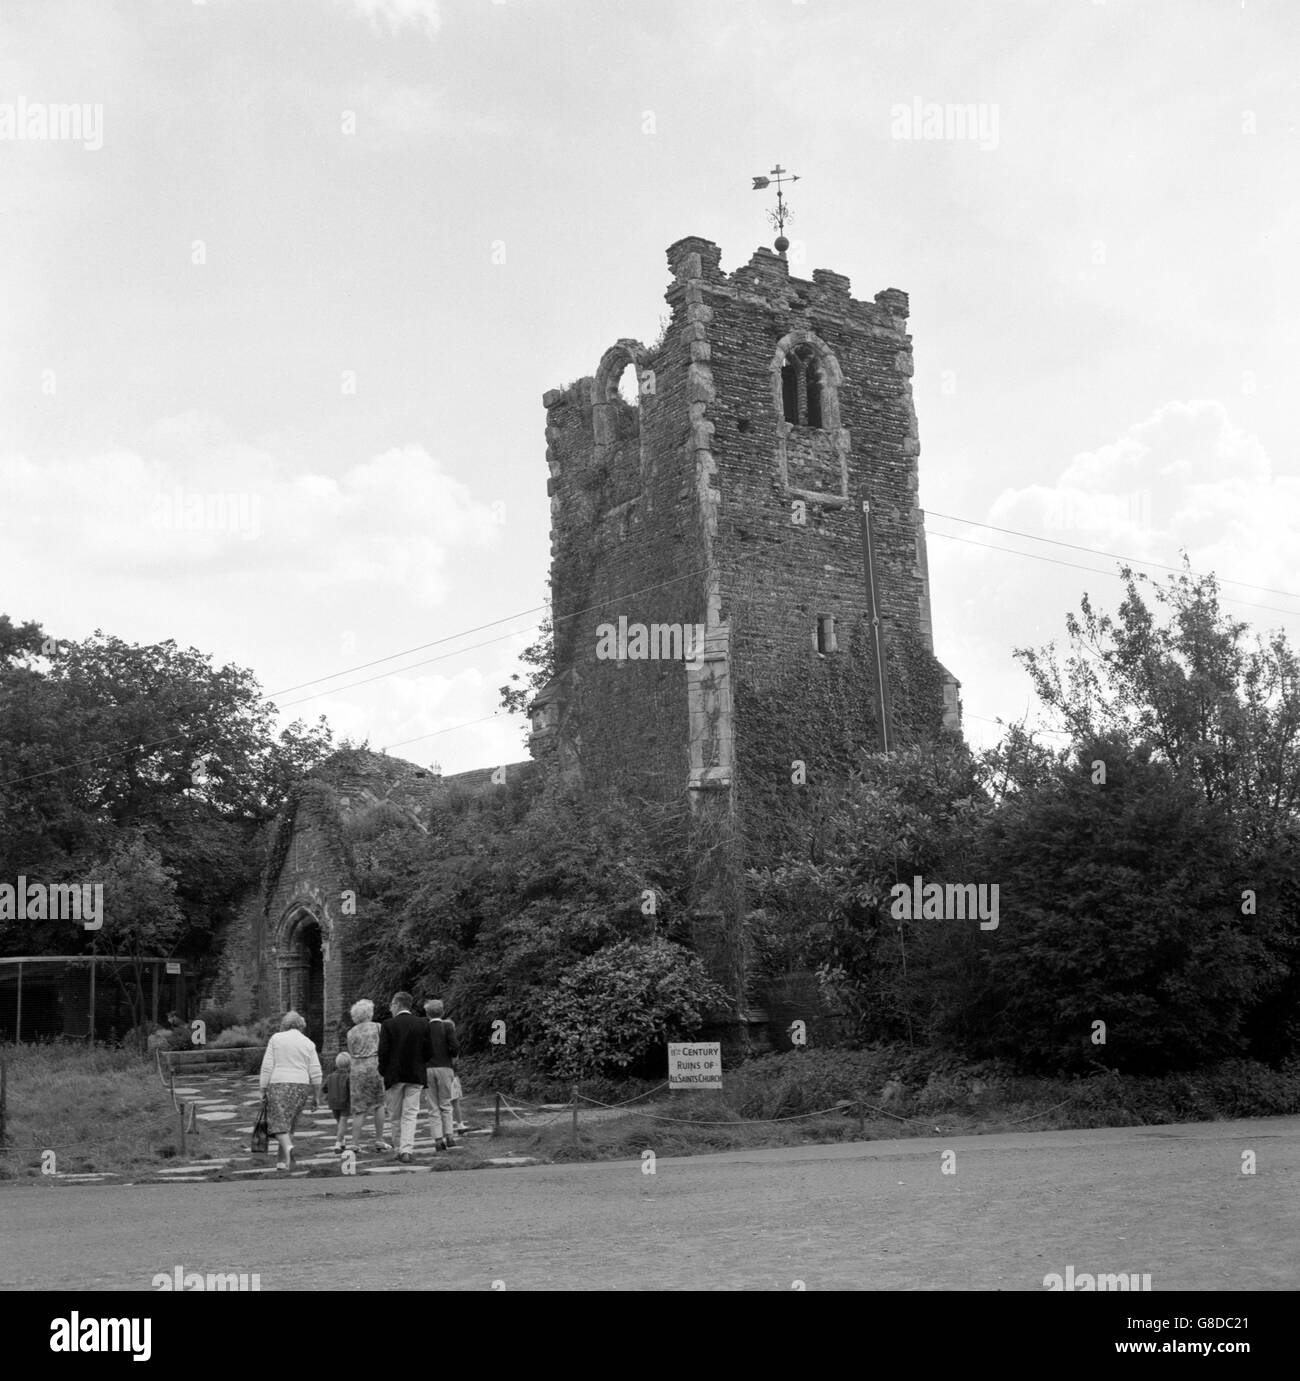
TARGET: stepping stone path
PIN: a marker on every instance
(227, 1104)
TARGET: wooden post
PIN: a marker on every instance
(18, 1032)
(496, 1120)
(171, 1084)
(92, 999)
(4, 1090)
(575, 1117)
(862, 1119)
(183, 1150)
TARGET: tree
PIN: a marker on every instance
(1222, 709)
(1120, 902)
(1208, 700)
(825, 907)
(505, 894)
(103, 741)
(142, 916)
(540, 656)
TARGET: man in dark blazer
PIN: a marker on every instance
(405, 1049)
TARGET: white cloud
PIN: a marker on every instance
(1185, 478)
(399, 14)
(198, 507)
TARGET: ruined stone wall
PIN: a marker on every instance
(625, 542)
(310, 878)
(308, 888)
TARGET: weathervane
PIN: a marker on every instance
(782, 212)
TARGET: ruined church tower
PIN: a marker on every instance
(763, 491)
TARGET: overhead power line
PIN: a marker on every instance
(563, 618)
(1096, 570)
(604, 603)
(1092, 551)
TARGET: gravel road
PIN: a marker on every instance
(1169, 1201)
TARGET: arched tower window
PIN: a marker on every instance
(812, 447)
(801, 388)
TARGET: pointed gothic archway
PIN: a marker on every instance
(301, 954)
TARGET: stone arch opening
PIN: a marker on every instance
(301, 955)
(812, 448)
(621, 384)
(628, 385)
(801, 387)
(806, 380)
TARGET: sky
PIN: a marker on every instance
(280, 305)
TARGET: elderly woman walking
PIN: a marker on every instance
(367, 1085)
(291, 1075)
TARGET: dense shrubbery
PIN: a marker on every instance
(925, 1084)
(218, 1019)
(256, 1034)
(516, 908)
(618, 1008)
(1148, 877)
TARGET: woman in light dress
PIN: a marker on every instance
(366, 1088)
(290, 1077)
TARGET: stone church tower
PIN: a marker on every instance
(761, 498)
(741, 606)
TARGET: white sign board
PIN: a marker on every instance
(173, 966)
(695, 1065)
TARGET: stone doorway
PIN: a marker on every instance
(301, 964)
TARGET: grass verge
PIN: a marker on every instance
(95, 1110)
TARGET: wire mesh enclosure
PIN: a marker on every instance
(84, 997)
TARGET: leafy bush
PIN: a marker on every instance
(219, 1019)
(618, 1008)
(1118, 904)
(505, 894)
(255, 1035)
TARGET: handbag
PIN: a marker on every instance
(261, 1132)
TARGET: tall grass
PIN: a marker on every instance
(96, 1109)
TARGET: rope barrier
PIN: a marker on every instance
(189, 1113)
(898, 1117)
(505, 1103)
(635, 1098)
(734, 1122)
(1033, 1115)
(548, 1123)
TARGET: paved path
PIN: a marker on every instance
(1169, 1201)
(227, 1102)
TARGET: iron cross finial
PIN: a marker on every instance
(780, 177)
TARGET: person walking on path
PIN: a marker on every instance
(442, 1041)
(337, 1095)
(404, 1053)
(289, 1078)
(459, 1124)
(365, 1083)
(457, 1093)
